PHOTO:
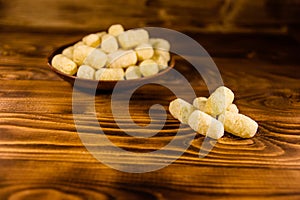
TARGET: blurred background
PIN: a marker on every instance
(225, 16)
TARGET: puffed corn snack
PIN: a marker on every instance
(117, 54)
(211, 116)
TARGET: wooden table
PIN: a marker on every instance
(42, 157)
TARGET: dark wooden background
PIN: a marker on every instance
(255, 45)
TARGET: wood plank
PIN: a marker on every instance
(208, 16)
(82, 180)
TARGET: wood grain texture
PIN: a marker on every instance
(42, 156)
(209, 16)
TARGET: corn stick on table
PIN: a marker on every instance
(42, 156)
